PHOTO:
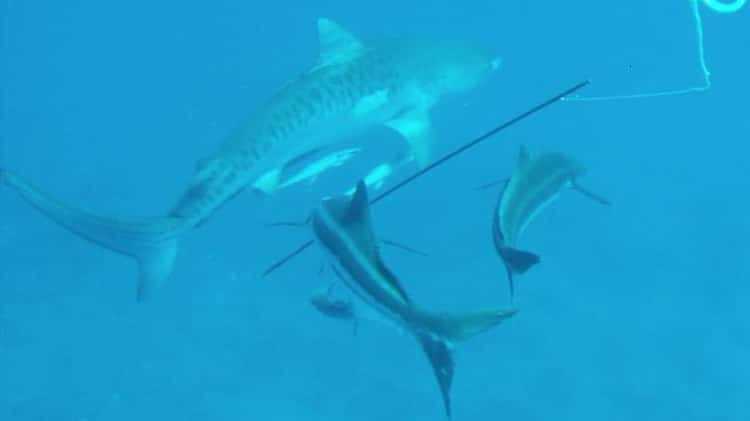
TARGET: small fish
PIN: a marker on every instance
(535, 183)
(335, 308)
(342, 226)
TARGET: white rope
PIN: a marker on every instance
(715, 5)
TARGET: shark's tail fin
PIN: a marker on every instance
(152, 242)
(441, 330)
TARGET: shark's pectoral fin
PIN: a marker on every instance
(416, 128)
(591, 195)
(337, 45)
(439, 354)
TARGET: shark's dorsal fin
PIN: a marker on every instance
(336, 43)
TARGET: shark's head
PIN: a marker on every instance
(453, 67)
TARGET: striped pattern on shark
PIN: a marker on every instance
(342, 226)
(352, 87)
(534, 185)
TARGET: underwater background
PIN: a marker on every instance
(637, 311)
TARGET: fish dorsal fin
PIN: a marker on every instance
(359, 211)
(358, 223)
(336, 43)
(523, 156)
(353, 214)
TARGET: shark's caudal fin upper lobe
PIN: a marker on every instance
(445, 329)
(152, 242)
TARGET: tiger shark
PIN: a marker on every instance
(353, 86)
(534, 185)
(342, 226)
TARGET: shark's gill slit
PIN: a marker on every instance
(715, 5)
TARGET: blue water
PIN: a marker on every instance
(638, 311)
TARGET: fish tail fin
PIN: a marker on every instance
(441, 330)
(153, 243)
(518, 261)
(440, 356)
(463, 326)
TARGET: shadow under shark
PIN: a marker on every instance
(342, 226)
(353, 86)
